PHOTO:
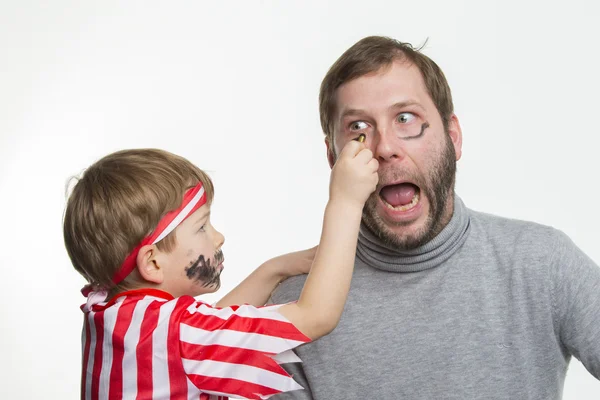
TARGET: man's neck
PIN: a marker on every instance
(374, 252)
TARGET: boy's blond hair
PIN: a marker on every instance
(117, 202)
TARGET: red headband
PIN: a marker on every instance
(193, 199)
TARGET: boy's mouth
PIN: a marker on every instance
(219, 258)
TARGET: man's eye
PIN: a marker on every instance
(358, 125)
(405, 117)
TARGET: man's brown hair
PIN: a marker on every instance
(117, 202)
(370, 55)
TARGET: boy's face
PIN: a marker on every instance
(194, 265)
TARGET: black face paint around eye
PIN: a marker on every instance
(203, 270)
(424, 126)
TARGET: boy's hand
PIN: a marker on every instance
(354, 175)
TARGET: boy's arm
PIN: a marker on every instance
(258, 286)
(319, 308)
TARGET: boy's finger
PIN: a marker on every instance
(373, 164)
(351, 149)
(364, 155)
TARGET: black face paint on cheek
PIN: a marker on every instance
(424, 126)
(205, 271)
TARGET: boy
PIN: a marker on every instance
(137, 227)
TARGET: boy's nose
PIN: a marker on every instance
(219, 239)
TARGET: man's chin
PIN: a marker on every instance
(402, 234)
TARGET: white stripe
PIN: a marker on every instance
(83, 341)
(241, 372)
(217, 395)
(161, 388)
(221, 395)
(229, 338)
(192, 391)
(246, 311)
(90, 364)
(130, 342)
(182, 214)
(110, 319)
(286, 357)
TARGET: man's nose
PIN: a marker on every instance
(386, 145)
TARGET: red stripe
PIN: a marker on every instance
(97, 369)
(264, 326)
(177, 380)
(232, 355)
(144, 351)
(86, 354)
(224, 385)
(121, 325)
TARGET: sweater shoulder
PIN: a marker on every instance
(511, 230)
(516, 241)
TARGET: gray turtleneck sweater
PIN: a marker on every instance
(491, 308)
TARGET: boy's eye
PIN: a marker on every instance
(358, 125)
(405, 117)
(202, 228)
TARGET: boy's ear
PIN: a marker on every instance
(148, 266)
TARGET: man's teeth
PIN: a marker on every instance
(405, 207)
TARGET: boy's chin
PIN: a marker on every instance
(207, 289)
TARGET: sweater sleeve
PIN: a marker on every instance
(576, 300)
(236, 351)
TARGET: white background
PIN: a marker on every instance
(233, 86)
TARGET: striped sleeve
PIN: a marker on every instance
(236, 351)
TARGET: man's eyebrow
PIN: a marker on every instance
(356, 112)
(352, 112)
(406, 103)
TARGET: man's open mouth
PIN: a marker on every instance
(400, 197)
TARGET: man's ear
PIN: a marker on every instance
(330, 154)
(455, 132)
(147, 264)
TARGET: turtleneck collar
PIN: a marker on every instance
(388, 258)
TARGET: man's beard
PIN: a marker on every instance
(438, 186)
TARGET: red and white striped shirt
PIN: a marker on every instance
(145, 344)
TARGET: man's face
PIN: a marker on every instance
(417, 156)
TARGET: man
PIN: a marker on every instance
(446, 302)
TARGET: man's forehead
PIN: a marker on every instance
(399, 83)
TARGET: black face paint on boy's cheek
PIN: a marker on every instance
(202, 270)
